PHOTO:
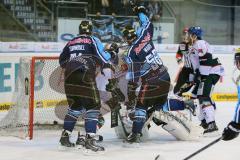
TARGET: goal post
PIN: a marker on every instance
(38, 101)
(32, 85)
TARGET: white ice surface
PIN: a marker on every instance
(45, 145)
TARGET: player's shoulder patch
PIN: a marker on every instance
(183, 47)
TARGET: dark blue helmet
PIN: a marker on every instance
(85, 27)
(129, 32)
(196, 30)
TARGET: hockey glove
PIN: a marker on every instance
(184, 88)
(231, 131)
(113, 50)
(132, 86)
(130, 104)
(112, 84)
(137, 9)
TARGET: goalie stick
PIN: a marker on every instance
(203, 148)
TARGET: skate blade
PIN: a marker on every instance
(211, 134)
(130, 145)
(64, 148)
(79, 146)
(89, 152)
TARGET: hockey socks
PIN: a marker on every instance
(139, 120)
(71, 119)
(91, 121)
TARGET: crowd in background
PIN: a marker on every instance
(122, 7)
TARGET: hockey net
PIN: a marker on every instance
(39, 101)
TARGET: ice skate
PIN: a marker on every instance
(204, 124)
(80, 143)
(132, 140)
(211, 131)
(65, 142)
(91, 146)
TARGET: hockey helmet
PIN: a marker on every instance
(196, 30)
(129, 33)
(237, 58)
(85, 27)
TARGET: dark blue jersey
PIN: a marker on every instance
(84, 46)
(141, 53)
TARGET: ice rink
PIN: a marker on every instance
(45, 146)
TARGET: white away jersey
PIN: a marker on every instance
(202, 58)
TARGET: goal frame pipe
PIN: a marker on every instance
(31, 96)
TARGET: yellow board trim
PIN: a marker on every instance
(37, 104)
(220, 97)
(217, 97)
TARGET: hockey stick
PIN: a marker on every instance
(123, 125)
(203, 148)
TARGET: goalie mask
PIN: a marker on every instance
(129, 34)
(85, 27)
(237, 58)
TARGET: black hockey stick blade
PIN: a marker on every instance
(202, 149)
(114, 118)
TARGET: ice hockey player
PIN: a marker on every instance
(144, 64)
(183, 59)
(185, 75)
(207, 71)
(80, 58)
(233, 129)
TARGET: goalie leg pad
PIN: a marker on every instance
(91, 121)
(179, 127)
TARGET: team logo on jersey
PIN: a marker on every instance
(142, 44)
(200, 51)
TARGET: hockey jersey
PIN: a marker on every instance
(236, 79)
(84, 46)
(183, 53)
(142, 56)
(202, 59)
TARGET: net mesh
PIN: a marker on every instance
(50, 104)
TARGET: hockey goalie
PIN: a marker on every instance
(176, 116)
